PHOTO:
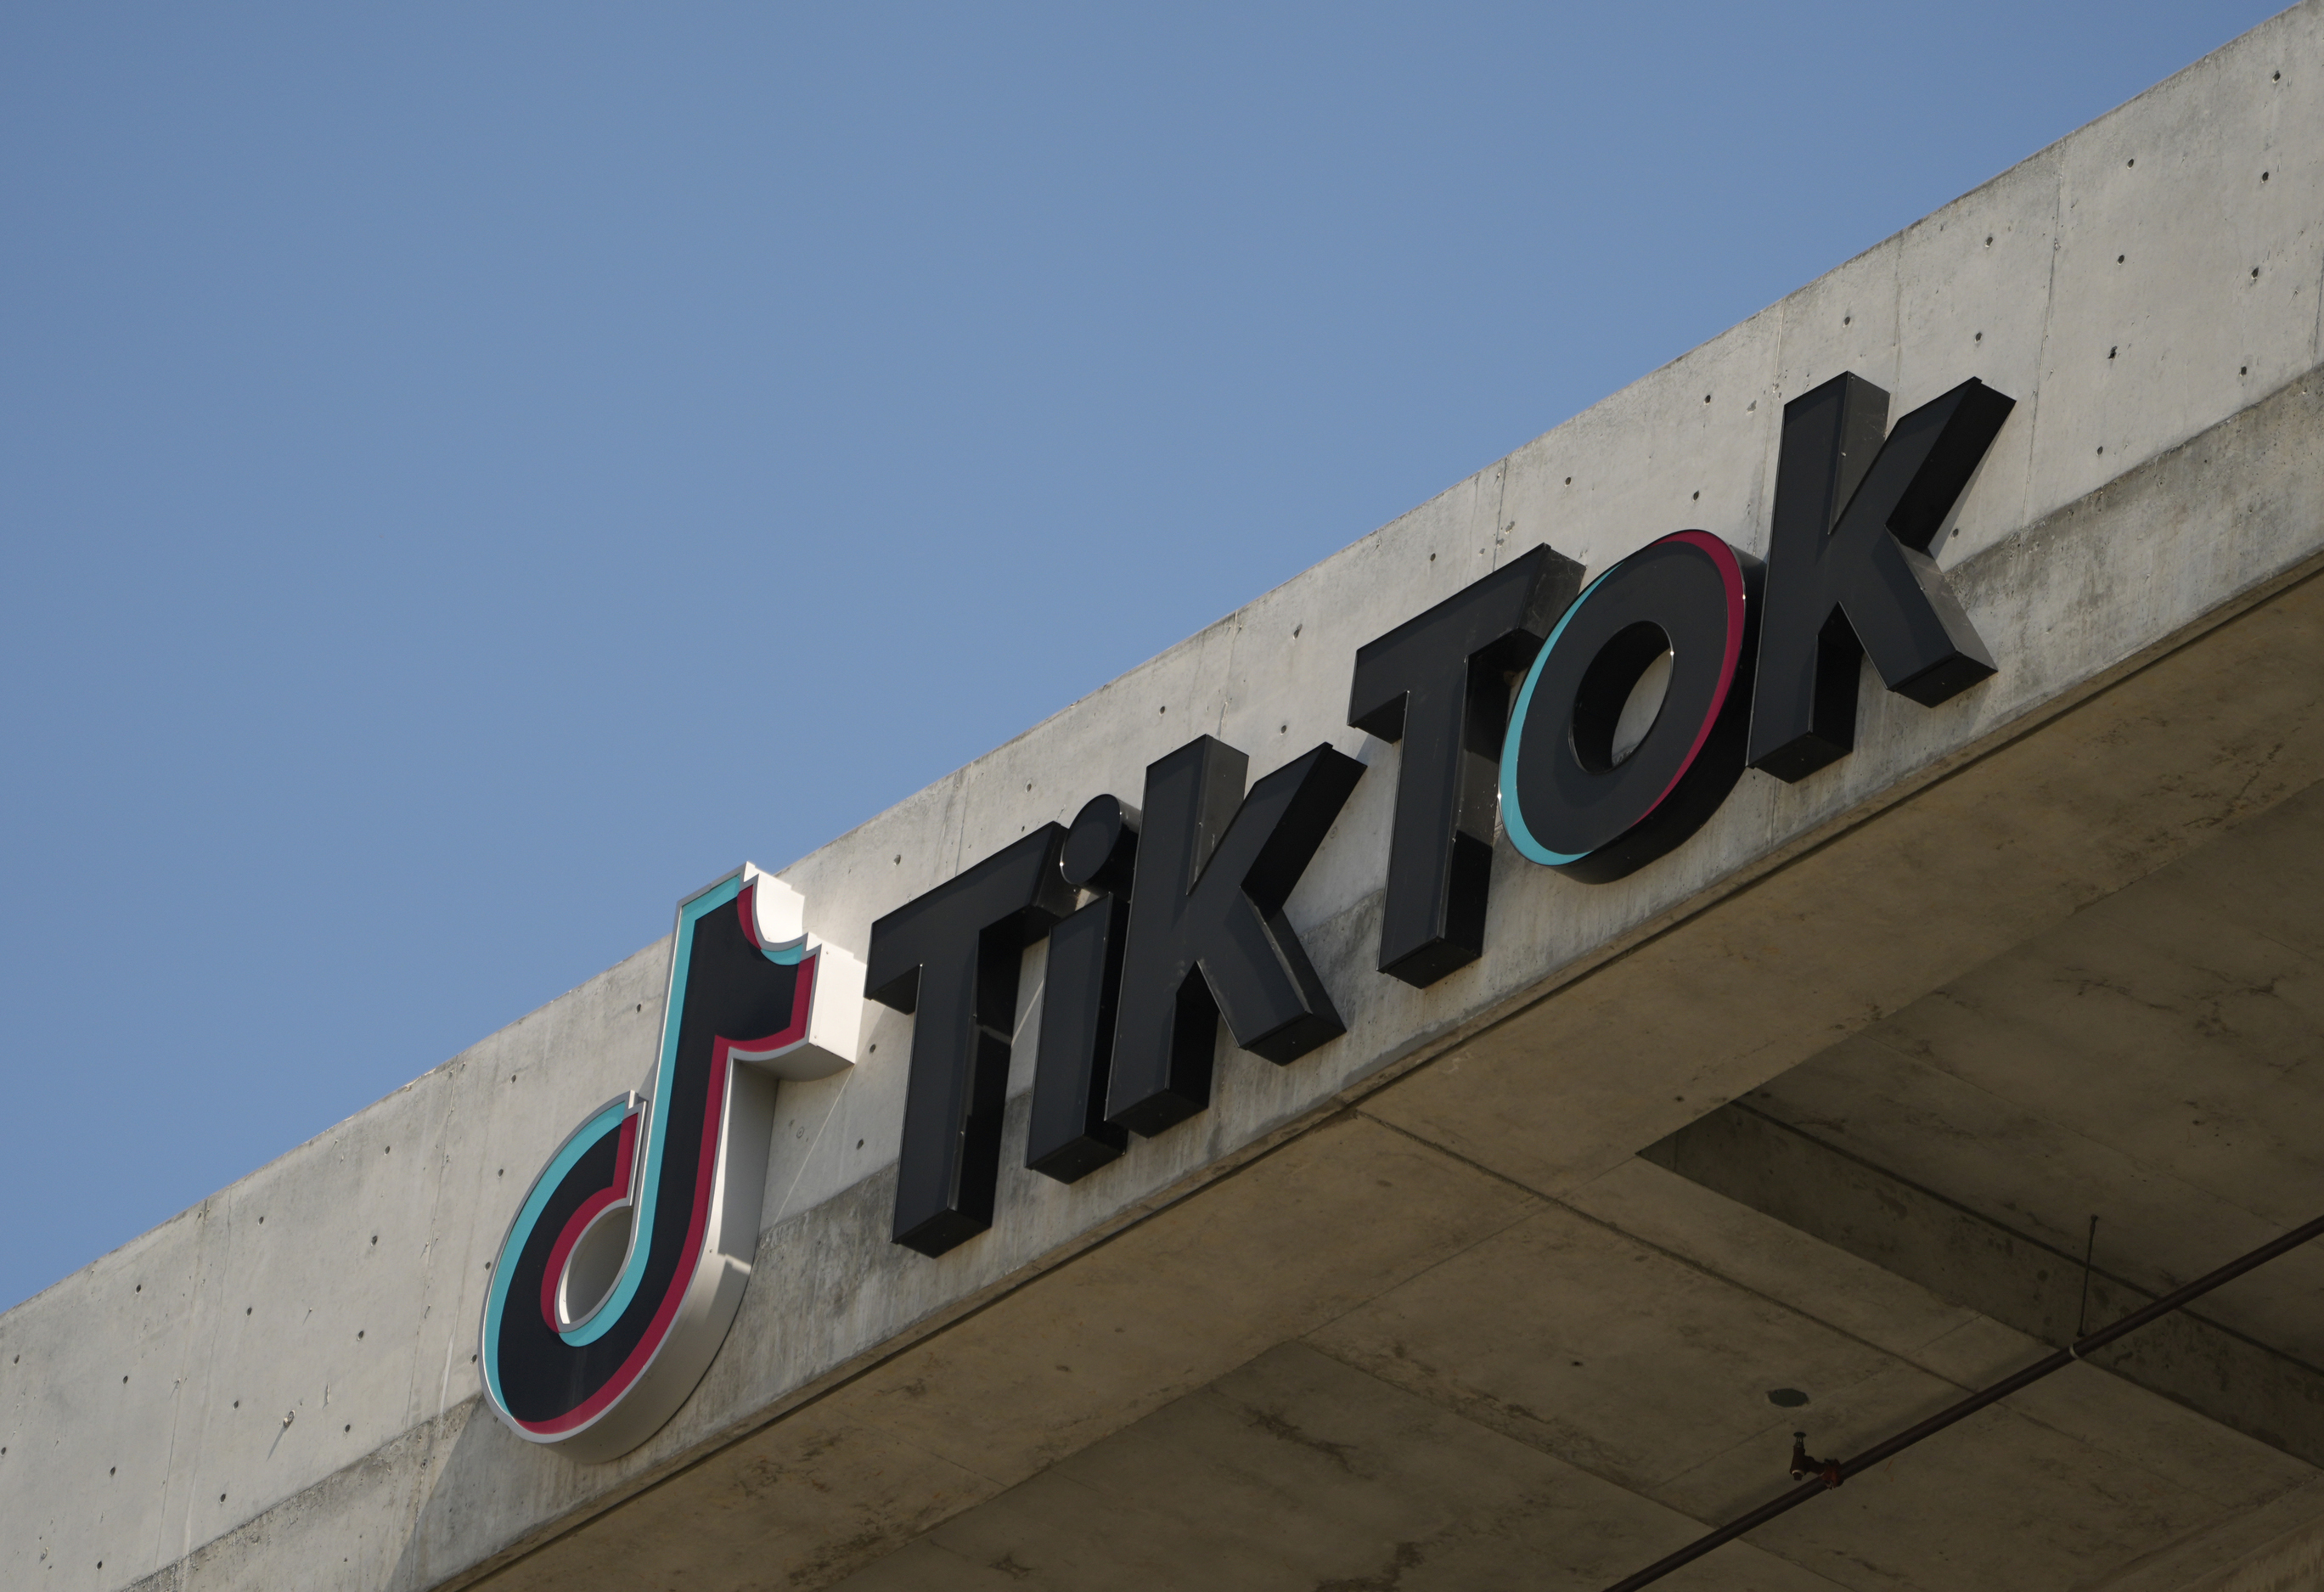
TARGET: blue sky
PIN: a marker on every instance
(449, 456)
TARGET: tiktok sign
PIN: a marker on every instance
(1596, 722)
(1597, 725)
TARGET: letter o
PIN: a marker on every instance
(1567, 801)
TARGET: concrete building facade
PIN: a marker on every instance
(1528, 1277)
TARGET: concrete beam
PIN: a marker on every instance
(1971, 1260)
(1578, 1393)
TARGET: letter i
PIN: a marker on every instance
(1069, 1136)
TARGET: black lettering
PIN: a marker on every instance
(1439, 683)
(1207, 934)
(951, 956)
(1574, 796)
(1068, 1136)
(1849, 565)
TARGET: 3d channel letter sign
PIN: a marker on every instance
(626, 1261)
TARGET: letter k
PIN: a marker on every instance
(1207, 934)
(1848, 566)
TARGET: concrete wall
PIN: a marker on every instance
(288, 1365)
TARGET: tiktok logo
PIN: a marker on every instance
(1597, 725)
(626, 1261)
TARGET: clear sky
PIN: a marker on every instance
(470, 473)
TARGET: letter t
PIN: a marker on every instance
(1435, 682)
(951, 956)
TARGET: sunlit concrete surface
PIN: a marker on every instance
(1493, 1290)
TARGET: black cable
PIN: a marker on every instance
(2083, 1313)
